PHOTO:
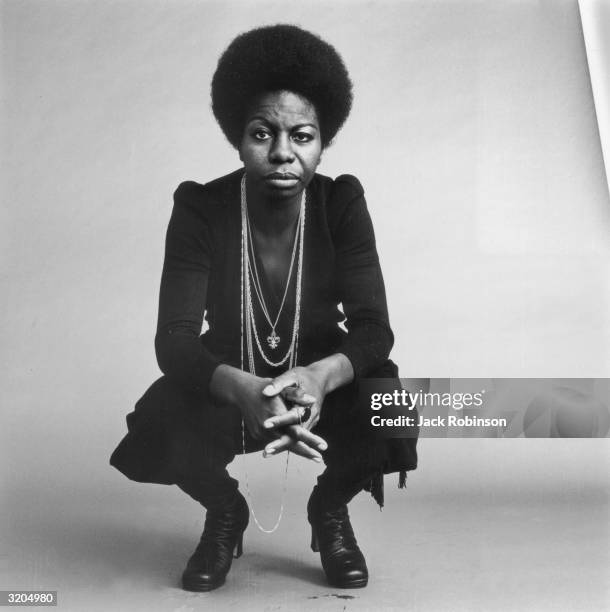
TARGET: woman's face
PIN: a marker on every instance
(281, 145)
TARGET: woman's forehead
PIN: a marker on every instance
(284, 107)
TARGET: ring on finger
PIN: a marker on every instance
(305, 415)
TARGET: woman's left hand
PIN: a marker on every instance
(304, 387)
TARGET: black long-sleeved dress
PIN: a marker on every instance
(202, 275)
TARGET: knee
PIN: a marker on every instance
(388, 369)
(162, 404)
(165, 394)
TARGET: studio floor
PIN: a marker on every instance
(483, 525)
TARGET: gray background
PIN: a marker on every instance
(474, 134)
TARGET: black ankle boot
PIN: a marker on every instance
(333, 537)
(225, 523)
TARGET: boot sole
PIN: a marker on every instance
(353, 584)
(201, 587)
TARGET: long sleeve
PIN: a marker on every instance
(182, 298)
(360, 282)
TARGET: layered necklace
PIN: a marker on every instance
(250, 336)
(251, 279)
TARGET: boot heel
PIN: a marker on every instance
(333, 537)
(239, 546)
(220, 543)
(315, 545)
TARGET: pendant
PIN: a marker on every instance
(273, 340)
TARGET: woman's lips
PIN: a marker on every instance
(282, 180)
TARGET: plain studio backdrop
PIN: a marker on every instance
(474, 134)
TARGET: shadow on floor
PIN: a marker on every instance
(60, 543)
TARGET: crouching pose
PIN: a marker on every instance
(275, 256)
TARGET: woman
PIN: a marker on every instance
(268, 253)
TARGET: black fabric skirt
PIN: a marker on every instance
(172, 436)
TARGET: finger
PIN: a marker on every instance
(311, 424)
(288, 443)
(292, 417)
(296, 395)
(278, 384)
(299, 448)
(258, 432)
(302, 434)
(284, 442)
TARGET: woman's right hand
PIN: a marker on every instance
(254, 406)
(245, 391)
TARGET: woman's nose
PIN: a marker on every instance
(281, 150)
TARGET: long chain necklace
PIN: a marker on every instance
(273, 340)
(248, 321)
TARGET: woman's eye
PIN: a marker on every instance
(260, 134)
(302, 137)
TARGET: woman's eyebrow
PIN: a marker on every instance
(271, 123)
(301, 125)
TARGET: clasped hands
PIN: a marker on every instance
(294, 400)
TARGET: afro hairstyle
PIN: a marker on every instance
(276, 58)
